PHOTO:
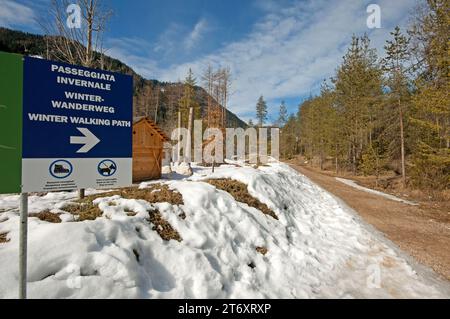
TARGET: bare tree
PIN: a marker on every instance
(225, 90)
(77, 45)
(157, 100)
(208, 82)
(217, 84)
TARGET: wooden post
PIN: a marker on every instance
(82, 193)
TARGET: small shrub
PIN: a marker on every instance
(47, 216)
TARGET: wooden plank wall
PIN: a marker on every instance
(147, 152)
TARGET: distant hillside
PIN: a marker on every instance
(147, 93)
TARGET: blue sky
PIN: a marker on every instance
(281, 49)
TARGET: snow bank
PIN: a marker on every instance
(166, 170)
(317, 249)
(183, 169)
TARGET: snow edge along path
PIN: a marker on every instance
(421, 269)
(375, 192)
(319, 248)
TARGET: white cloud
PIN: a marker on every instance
(129, 51)
(196, 34)
(14, 14)
(289, 51)
(168, 41)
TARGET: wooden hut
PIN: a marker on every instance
(148, 141)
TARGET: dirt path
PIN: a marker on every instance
(421, 231)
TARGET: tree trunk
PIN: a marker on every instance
(354, 159)
(90, 23)
(179, 136)
(190, 129)
(377, 165)
(402, 141)
(157, 106)
(337, 161)
(321, 161)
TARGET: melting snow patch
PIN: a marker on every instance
(317, 249)
(372, 191)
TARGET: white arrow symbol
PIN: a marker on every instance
(89, 140)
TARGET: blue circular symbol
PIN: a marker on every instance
(107, 168)
(61, 169)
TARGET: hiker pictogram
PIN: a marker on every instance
(61, 169)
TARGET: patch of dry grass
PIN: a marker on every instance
(83, 210)
(47, 216)
(3, 239)
(158, 193)
(240, 193)
(163, 228)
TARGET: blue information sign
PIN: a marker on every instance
(76, 123)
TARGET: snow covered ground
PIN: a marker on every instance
(372, 191)
(318, 248)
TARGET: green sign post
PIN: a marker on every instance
(11, 97)
(11, 92)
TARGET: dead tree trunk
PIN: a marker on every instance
(179, 137)
(190, 130)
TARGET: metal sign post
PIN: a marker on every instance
(23, 246)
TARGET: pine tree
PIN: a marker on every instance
(394, 64)
(358, 88)
(368, 120)
(188, 100)
(319, 127)
(261, 111)
(283, 115)
(373, 162)
(431, 111)
(289, 138)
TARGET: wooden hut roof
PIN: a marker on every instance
(152, 124)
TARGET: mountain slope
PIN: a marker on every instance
(147, 93)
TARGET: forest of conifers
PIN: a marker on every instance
(384, 114)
